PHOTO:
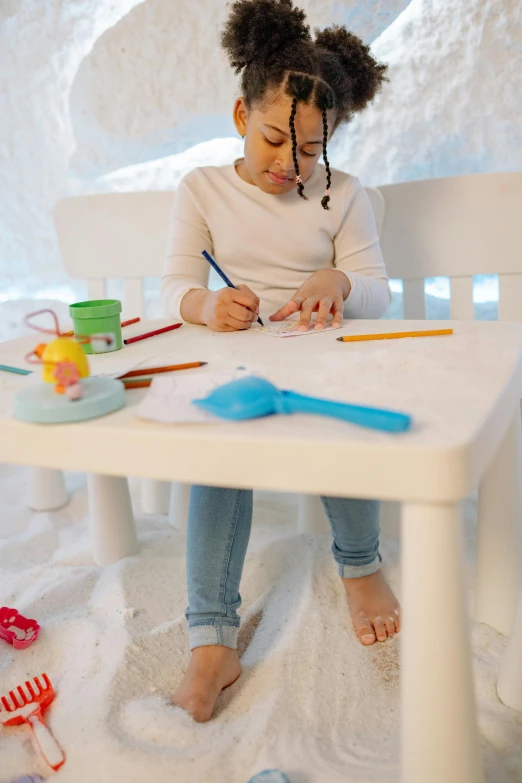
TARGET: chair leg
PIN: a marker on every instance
(155, 496)
(509, 686)
(311, 517)
(179, 505)
(111, 519)
(47, 489)
(391, 519)
(499, 544)
(440, 740)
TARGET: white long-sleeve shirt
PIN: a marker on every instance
(274, 243)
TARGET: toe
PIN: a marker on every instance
(380, 629)
(199, 709)
(397, 619)
(389, 622)
(365, 632)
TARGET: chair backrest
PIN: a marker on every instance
(124, 235)
(455, 227)
(378, 205)
(114, 235)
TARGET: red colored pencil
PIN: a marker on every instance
(152, 334)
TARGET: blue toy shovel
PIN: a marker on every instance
(252, 397)
(270, 776)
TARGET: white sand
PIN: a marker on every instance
(311, 700)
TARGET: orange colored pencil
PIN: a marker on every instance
(130, 321)
(155, 370)
(356, 338)
(137, 384)
(123, 323)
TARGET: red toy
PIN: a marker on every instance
(17, 630)
(26, 706)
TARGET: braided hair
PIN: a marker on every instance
(300, 186)
(326, 197)
(269, 43)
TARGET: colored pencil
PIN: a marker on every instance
(139, 383)
(130, 321)
(123, 323)
(154, 370)
(356, 338)
(17, 370)
(222, 275)
(151, 334)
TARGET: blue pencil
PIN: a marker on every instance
(222, 275)
(16, 370)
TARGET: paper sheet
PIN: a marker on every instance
(169, 399)
(289, 328)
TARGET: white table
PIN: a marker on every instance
(464, 393)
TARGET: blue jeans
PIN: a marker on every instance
(217, 538)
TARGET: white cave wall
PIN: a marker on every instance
(454, 101)
(91, 99)
(42, 43)
(157, 82)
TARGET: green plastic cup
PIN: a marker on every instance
(100, 317)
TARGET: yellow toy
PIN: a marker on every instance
(64, 361)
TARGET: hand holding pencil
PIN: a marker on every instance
(233, 308)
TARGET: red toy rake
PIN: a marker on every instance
(26, 706)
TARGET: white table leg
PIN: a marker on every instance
(46, 489)
(439, 728)
(111, 519)
(179, 505)
(509, 685)
(155, 496)
(499, 545)
(311, 517)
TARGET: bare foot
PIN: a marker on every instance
(374, 609)
(211, 669)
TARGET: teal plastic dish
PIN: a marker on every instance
(40, 404)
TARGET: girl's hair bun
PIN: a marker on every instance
(365, 73)
(258, 29)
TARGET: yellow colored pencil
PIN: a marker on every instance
(356, 338)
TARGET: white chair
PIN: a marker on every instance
(455, 227)
(122, 235)
(458, 227)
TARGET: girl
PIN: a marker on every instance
(297, 237)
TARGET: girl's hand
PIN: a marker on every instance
(230, 309)
(324, 293)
